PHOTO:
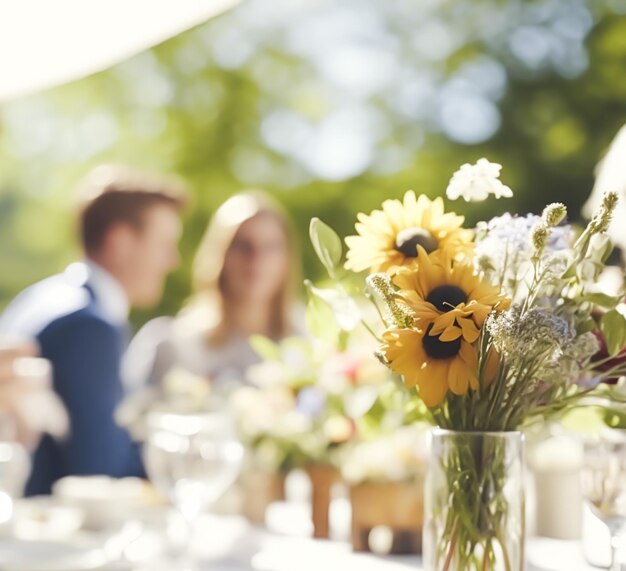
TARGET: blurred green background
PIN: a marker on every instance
(331, 106)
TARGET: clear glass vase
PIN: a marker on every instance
(474, 502)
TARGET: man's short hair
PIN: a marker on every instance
(110, 195)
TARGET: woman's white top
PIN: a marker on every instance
(166, 342)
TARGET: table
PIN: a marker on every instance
(288, 554)
(228, 544)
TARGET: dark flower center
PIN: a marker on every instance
(437, 349)
(446, 297)
(409, 239)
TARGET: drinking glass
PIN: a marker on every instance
(192, 459)
(604, 487)
(22, 379)
(14, 468)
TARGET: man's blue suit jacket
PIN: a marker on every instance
(86, 352)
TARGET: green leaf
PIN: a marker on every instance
(613, 326)
(320, 319)
(569, 273)
(265, 347)
(343, 340)
(585, 420)
(586, 326)
(601, 299)
(344, 308)
(607, 251)
(326, 243)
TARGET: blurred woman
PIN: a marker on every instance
(245, 275)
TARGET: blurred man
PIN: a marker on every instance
(129, 229)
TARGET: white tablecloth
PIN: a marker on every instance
(287, 554)
(255, 550)
(231, 544)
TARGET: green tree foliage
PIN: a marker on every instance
(330, 106)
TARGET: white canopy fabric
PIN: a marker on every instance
(611, 175)
(44, 43)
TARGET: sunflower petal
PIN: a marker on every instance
(450, 334)
(427, 311)
(432, 383)
(473, 381)
(469, 329)
(374, 246)
(442, 322)
(469, 354)
(404, 350)
(405, 279)
(458, 377)
(480, 313)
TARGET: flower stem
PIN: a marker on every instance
(505, 553)
(370, 330)
(451, 546)
(486, 560)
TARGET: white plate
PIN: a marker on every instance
(16, 555)
(41, 518)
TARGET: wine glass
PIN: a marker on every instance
(23, 379)
(14, 467)
(192, 459)
(604, 487)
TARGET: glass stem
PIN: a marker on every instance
(185, 559)
(615, 545)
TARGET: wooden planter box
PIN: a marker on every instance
(260, 489)
(323, 478)
(397, 506)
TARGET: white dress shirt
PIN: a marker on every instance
(110, 294)
(62, 294)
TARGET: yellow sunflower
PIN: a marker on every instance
(389, 237)
(431, 365)
(447, 296)
(450, 305)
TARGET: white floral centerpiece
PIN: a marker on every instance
(304, 400)
(393, 456)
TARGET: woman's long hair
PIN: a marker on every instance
(208, 307)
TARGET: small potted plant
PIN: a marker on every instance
(385, 476)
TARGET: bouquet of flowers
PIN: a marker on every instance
(303, 400)
(393, 456)
(493, 327)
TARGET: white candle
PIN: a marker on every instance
(556, 464)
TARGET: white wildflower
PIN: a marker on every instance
(394, 313)
(504, 248)
(539, 238)
(476, 182)
(393, 457)
(554, 214)
(535, 332)
(556, 266)
(568, 367)
(560, 371)
(583, 347)
(602, 218)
